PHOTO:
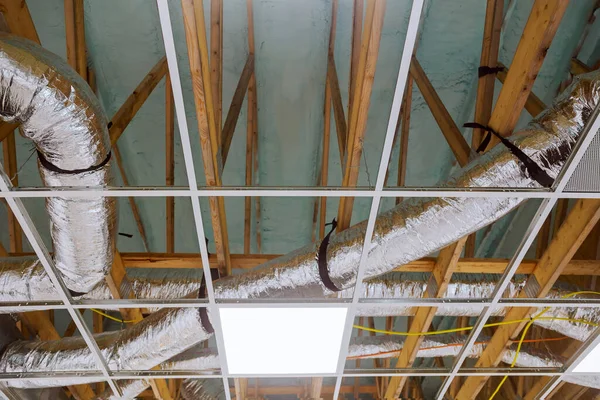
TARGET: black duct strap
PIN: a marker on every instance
(322, 260)
(485, 70)
(49, 166)
(534, 170)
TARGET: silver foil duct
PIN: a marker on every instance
(59, 113)
(157, 338)
(418, 227)
(24, 279)
(451, 345)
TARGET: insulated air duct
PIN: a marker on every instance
(413, 229)
(59, 113)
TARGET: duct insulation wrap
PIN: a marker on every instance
(418, 227)
(157, 338)
(196, 358)
(451, 345)
(59, 113)
(24, 279)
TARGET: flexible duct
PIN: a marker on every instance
(59, 113)
(451, 345)
(418, 227)
(413, 229)
(157, 338)
(24, 279)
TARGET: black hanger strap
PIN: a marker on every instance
(322, 260)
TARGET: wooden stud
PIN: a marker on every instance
(241, 388)
(195, 31)
(70, 33)
(81, 57)
(357, 24)
(441, 274)
(539, 31)
(39, 323)
(404, 132)
(98, 325)
(10, 167)
(250, 130)
(571, 234)
(338, 108)
(489, 58)
(236, 107)
(562, 206)
(170, 162)
(216, 61)
(360, 105)
(6, 129)
(134, 102)
(18, 19)
(453, 135)
(533, 105)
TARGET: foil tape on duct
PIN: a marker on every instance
(157, 338)
(418, 227)
(451, 345)
(59, 113)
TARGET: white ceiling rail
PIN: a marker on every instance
(169, 43)
(407, 52)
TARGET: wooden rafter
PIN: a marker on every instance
(216, 60)
(251, 144)
(333, 85)
(533, 104)
(539, 31)
(453, 135)
(440, 278)
(357, 116)
(404, 132)
(195, 32)
(357, 26)
(236, 107)
(571, 234)
(136, 100)
(578, 67)
(241, 388)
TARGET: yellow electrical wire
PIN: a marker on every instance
(539, 317)
(529, 321)
(111, 317)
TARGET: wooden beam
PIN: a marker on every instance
(440, 278)
(357, 25)
(489, 58)
(458, 144)
(539, 31)
(360, 105)
(216, 61)
(18, 19)
(241, 388)
(316, 387)
(251, 130)
(236, 107)
(404, 132)
(533, 104)
(39, 323)
(69, 6)
(6, 129)
(195, 32)
(578, 67)
(338, 108)
(134, 208)
(136, 100)
(170, 163)
(571, 234)
(81, 57)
